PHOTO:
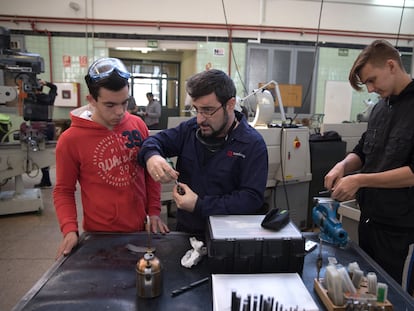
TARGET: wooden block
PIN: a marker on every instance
(323, 295)
(291, 94)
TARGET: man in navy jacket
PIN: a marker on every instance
(222, 162)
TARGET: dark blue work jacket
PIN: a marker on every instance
(230, 181)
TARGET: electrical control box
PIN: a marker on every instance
(68, 94)
(295, 155)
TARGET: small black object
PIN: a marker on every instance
(276, 219)
(326, 136)
(180, 190)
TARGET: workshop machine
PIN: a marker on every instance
(288, 149)
(324, 215)
(29, 150)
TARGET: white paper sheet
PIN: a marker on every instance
(286, 288)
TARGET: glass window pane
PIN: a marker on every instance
(406, 60)
(258, 68)
(281, 66)
(304, 72)
(170, 69)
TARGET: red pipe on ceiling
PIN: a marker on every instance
(187, 25)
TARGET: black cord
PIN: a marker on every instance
(282, 170)
(314, 56)
(231, 49)
(399, 27)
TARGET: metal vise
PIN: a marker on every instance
(324, 215)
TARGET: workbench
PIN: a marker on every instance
(100, 275)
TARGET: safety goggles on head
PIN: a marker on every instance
(103, 68)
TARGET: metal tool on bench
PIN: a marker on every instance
(324, 215)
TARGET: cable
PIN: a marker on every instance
(282, 170)
(315, 55)
(399, 27)
(231, 49)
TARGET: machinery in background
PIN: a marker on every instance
(350, 132)
(260, 103)
(289, 169)
(288, 151)
(364, 115)
(29, 151)
(325, 217)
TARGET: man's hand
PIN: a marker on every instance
(334, 175)
(160, 170)
(346, 188)
(69, 242)
(157, 225)
(186, 201)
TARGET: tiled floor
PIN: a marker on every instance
(28, 244)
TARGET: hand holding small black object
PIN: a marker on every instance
(180, 189)
(276, 219)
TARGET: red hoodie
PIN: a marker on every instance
(116, 192)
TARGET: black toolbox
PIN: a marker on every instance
(239, 244)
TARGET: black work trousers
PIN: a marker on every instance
(390, 247)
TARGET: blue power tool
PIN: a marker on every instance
(324, 215)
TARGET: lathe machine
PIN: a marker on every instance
(24, 150)
(17, 159)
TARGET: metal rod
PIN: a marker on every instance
(188, 287)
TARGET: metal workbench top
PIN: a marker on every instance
(100, 275)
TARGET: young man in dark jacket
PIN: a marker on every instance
(384, 159)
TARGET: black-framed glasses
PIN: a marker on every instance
(206, 112)
(103, 68)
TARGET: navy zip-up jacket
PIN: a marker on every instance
(231, 181)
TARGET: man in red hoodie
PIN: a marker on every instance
(99, 151)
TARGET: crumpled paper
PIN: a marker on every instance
(193, 256)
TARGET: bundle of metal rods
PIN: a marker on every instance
(258, 303)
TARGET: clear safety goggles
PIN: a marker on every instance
(103, 68)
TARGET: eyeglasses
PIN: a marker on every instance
(103, 68)
(207, 112)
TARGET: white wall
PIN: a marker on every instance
(360, 21)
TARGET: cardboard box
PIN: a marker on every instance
(239, 244)
(291, 94)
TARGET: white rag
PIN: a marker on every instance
(193, 256)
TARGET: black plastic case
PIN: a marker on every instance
(238, 244)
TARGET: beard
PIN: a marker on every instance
(216, 132)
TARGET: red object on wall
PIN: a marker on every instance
(66, 61)
(83, 61)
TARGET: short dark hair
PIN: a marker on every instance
(114, 82)
(209, 81)
(376, 54)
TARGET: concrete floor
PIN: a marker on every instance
(28, 244)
